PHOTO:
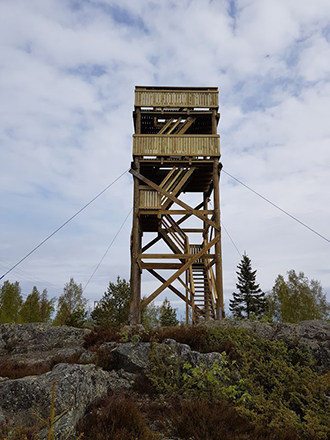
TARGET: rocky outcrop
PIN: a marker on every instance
(79, 381)
(315, 335)
(76, 387)
(33, 343)
(134, 357)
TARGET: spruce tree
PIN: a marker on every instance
(167, 315)
(250, 300)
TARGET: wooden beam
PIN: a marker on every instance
(170, 243)
(172, 256)
(135, 250)
(220, 310)
(175, 199)
(151, 243)
(186, 125)
(180, 271)
(168, 123)
(174, 126)
(185, 230)
(178, 187)
(174, 289)
(161, 266)
(197, 208)
(184, 211)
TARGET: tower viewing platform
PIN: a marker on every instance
(176, 150)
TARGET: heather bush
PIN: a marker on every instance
(115, 417)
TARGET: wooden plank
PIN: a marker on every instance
(179, 186)
(164, 266)
(184, 212)
(172, 256)
(168, 123)
(197, 230)
(175, 199)
(148, 212)
(168, 177)
(170, 243)
(173, 235)
(180, 271)
(186, 125)
(173, 127)
(179, 145)
(176, 98)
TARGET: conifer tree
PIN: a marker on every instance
(113, 307)
(250, 300)
(167, 315)
(46, 306)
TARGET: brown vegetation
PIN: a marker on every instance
(115, 417)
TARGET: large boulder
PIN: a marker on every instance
(77, 386)
(18, 339)
(39, 343)
(135, 357)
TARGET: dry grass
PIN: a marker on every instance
(15, 369)
(193, 336)
(101, 334)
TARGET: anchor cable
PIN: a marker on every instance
(65, 223)
(105, 253)
(277, 207)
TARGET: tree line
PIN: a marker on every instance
(72, 308)
(293, 300)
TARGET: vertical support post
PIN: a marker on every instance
(214, 121)
(205, 240)
(135, 250)
(187, 299)
(218, 256)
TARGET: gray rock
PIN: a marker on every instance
(76, 387)
(186, 354)
(38, 337)
(131, 357)
(87, 357)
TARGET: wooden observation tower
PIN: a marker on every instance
(176, 152)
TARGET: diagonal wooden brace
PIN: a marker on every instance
(174, 199)
(191, 261)
(175, 290)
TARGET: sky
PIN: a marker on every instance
(68, 69)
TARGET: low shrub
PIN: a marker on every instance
(273, 385)
(14, 369)
(115, 417)
(197, 419)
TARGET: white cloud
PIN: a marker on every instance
(68, 71)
